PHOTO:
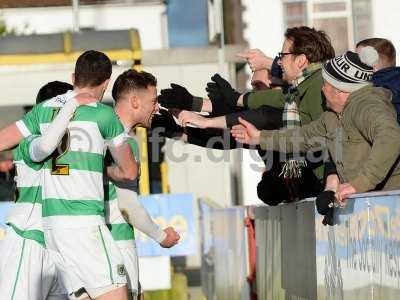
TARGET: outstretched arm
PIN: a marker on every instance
(264, 117)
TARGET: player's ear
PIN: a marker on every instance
(134, 101)
(105, 84)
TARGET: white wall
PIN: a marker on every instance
(264, 21)
(204, 172)
(386, 21)
(265, 31)
(146, 18)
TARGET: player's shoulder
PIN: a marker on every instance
(58, 101)
(104, 111)
(104, 107)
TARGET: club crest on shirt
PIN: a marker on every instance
(121, 270)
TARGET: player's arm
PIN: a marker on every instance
(139, 218)
(125, 167)
(112, 130)
(44, 145)
(10, 136)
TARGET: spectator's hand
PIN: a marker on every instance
(171, 239)
(176, 97)
(256, 59)
(188, 118)
(343, 192)
(85, 98)
(220, 89)
(246, 133)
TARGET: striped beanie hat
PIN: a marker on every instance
(349, 72)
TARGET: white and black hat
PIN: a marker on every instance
(347, 72)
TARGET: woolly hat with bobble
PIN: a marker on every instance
(349, 72)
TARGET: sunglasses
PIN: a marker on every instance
(282, 54)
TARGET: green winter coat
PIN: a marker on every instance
(311, 103)
(363, 140)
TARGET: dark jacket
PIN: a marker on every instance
(389, 78)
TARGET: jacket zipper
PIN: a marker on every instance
(340, 129)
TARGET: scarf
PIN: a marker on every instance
(291, 119)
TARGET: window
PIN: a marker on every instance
(295, 13)
(362, 19)
(345, 21)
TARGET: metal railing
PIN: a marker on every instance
(299, 258)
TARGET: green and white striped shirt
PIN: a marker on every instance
(119, 228)
(73, 193)
(26, 215)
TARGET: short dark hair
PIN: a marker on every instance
(385, 49)
(132, 80)
(314, 44)
(52, 89)
(92, 68)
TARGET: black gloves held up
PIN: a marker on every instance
(179, 97)
(223, 97)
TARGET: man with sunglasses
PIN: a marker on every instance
(297, 104)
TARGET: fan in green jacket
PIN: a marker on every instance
(360, 130)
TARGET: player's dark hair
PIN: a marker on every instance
(132, 80)
(92, 68)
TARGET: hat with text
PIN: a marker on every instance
(349, 72)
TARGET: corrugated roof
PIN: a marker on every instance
(47, 3)
(55, 43)
(44, 3)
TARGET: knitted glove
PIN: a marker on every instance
(220, 90)
(179, 97)
(324, 203)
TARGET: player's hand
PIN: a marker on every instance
(343, 192)
(171, 239)
(85, 98)
(246, 133)
(188, 118)
(176, 97)
(256, 59)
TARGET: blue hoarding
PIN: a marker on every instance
(176, 210)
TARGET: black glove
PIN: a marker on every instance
(219, 106)
(329, 218)
(179, 97)
(220, 90)
(166, 121)
(324, 203)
